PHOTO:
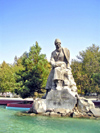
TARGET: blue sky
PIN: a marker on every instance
(23, 22)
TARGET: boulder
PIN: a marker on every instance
(32, 114)
(39, 105)
(60, 99)
(46, 114)
(66, 115)
(75, 114)
(59, 110)
(55, 114)
(95, 111)
(84, 105)
(49, 110)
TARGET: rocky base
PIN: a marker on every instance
(55, 114)
(64, 103)
(66, 113)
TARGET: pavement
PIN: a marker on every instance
(5, 98)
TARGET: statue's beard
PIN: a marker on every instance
(59, 49)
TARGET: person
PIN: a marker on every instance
(58, 76)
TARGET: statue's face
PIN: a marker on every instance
(58, 45)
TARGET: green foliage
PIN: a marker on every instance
(27, 76)
(7, 80)
(33, 78)
(86, 70)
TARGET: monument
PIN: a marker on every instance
(60, 76)
(61, 98)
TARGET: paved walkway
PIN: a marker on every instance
(5, 98)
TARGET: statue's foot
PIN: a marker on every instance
(58, 88)
(59, 85)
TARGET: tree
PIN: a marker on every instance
(86, 69)
(33, 78)
(7, 80)
(96, 79)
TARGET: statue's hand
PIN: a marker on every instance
(63, 66)
(60, 64)
(53, 65)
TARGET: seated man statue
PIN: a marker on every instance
(60, 74)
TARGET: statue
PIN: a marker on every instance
(60, 75)
(61, 98)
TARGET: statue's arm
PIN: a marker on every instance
(67, 56)
(52, 61)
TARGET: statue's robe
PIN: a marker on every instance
(57, 73)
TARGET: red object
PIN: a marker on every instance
(4, 102)
(20, 104)
(16, 103)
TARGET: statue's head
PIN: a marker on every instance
(57, 43)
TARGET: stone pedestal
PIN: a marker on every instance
(64, 103)
(60, 99)
(96, 112)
